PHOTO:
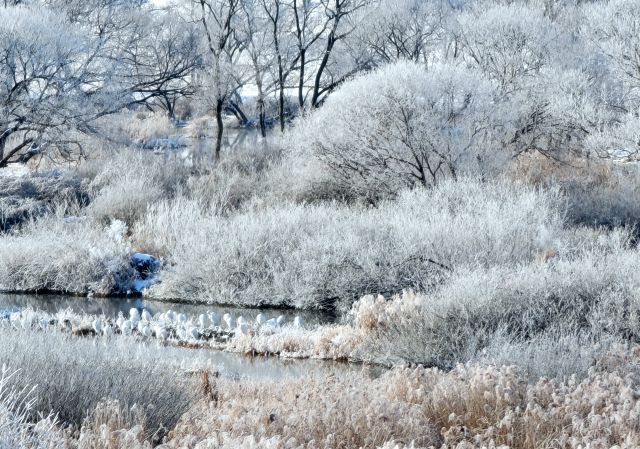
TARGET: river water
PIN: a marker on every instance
(228, 364)
(109, 307)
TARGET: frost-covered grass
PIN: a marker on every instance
(17, 431)
(23, 198)
(137, 128)
(472, 406)
(71, 375)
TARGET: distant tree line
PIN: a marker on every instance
(566, 74)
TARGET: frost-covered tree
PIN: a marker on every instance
(403, 29)
(520, 47)
(224, 69)
(320, 26)
(45, 90)
(159, 60)
(509, 43)
(280, 22)
(258, 35)
(401, 126)
(147, 55)
(614, 26)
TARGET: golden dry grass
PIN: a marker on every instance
(469, 407)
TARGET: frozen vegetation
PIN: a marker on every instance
(457, 182)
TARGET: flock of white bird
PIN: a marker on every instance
(162, 326)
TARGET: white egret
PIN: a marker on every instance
(134, 316)
(146, 316)
(127, 327)
(203, 321)
(161, 333)
(97, 325)
(272, 322)
(260, 319)
(243, 326)
(182, 318)
(215, 319)
(298, 322)
(194, 333)
(229, 320)
(120, 320)
(145, 330)
(280, 320)
(44, 324)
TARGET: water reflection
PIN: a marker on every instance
(200, 151)
(237, 366)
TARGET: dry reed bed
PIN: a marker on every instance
(470, 407)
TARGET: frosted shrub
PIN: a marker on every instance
(125, 200)
(66, 255)
(606, 200)
(592, 295)
(26, 197)
(329, 255)
(124, 183)
(400, 126)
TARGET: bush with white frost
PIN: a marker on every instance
(329, 255)
(72, 255)
(401, 126)
(591, 297)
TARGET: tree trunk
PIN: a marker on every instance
(261, 109)
(219, 130)
(280, 82)
(301, 81)
(262, 116)
(281, 107)
(3, 143)
(323, 64)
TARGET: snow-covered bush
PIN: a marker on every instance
(124, 182)
(591, 298)
(27, 197)
(73, 255)
(320, 255)
(401, 126)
